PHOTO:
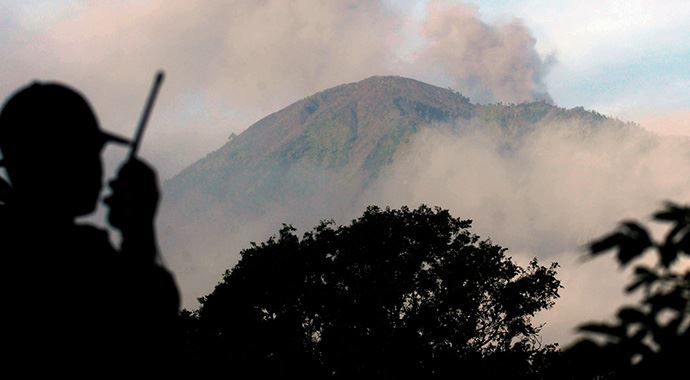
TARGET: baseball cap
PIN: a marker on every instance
(50, 113)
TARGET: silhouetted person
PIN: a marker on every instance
(69, 297)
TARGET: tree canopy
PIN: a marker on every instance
(397, 292)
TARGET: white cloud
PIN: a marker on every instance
(592, 33)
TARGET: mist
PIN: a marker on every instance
(545, 194)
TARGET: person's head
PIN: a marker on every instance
(51, 145)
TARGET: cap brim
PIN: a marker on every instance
(109, 137)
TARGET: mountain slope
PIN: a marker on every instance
(352, 130)
(313, 159)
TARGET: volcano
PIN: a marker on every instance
(313, 159)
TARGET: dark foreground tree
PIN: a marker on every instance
(650, 340)
(396, 293)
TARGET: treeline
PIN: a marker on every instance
(413, 293)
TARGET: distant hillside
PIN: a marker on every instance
(352, 130)
(314, 157)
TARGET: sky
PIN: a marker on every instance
(231, 63)
(627, 59)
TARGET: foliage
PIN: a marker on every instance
(652, 339)
(396, 293)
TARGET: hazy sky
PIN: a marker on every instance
(230, 63)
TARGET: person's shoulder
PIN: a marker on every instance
(166, 287)
(4, 215)
(5, 201)
(164, 277)
(5, 191)
(8, 234)
(94, 238)
(9, 227)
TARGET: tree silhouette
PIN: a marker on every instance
(651, 339)
(397, 292)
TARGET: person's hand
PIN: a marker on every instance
(134, 198)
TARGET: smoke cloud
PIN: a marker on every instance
(488, 63)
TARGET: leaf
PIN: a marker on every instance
(604, 329)
(632, 315)
(672, 300)
(636, 241)
(606, 243)
(639, 335)
(668, 254)
(668, 334)
(584, 349)
(639, 282)
(629, 252)
(644, 276)
(673, 213)
(684, 243)
(634, 230)
(644, 271)
(671, 235)
(673, 326)
(5, 191)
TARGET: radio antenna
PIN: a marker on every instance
(134, 147)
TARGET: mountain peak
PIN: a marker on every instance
(353, 130)
(391, 82)
(390, 86)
